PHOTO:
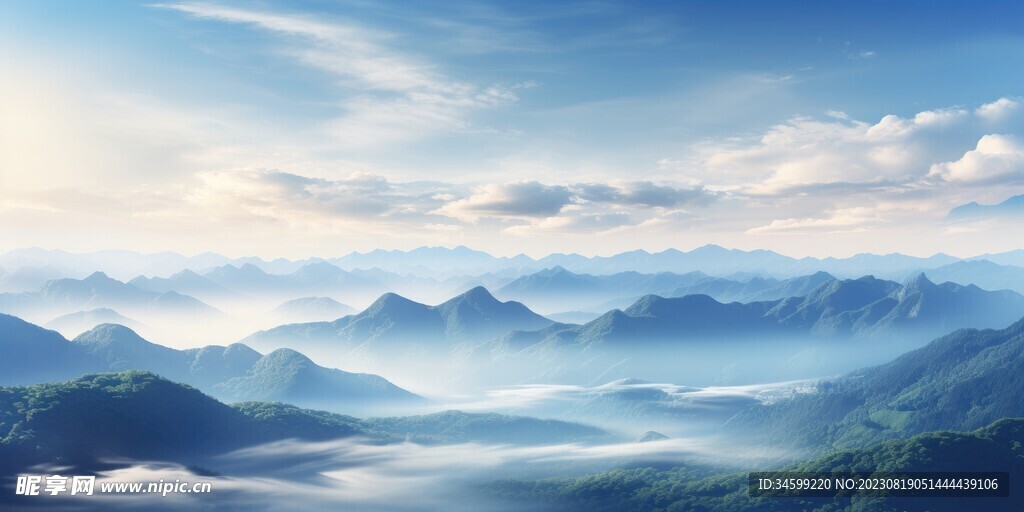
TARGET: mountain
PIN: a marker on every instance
(62, 296)
(983, 273)
(865, 307)
(29, 354)
(141, 416)
(961, 381)
(73, 324)
(287, 376)
(310, 309)
(232, 373)
(651, 436)
(28, 278)
(555, 288)
(186, 282)
(1014, 258)
(318, 277)
(393, 321)
(1010, 209)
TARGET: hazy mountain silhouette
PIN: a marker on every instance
(1010, 209)
(983, 273)
(853, 307)
(76, 323)
(100, 291)
(393, 320)
(232, 373)
(308, 309)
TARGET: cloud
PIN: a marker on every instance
(522, 199)
(592, 205)
(837, 221)
(998, 110)
(386, 95)
(845, 156)
(995, 159)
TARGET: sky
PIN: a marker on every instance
(310, 128)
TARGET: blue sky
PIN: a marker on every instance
(302, 128)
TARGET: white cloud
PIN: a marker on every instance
(995, 159)
(836, 221)
(998, 110)
(846, 154)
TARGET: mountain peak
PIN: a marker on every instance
(97, 276)
(477, 294)
(920, 281)
(106, 334)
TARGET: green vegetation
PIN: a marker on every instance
(996, 447)
(140, 415)
(962, 381)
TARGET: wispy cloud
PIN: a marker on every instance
(386, 95)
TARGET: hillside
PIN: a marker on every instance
(961, 381)
(995, 447)
(234, 373)
(142, 416)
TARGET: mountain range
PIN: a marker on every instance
(393, 322)
(62, 296)
(31, 354)
(443, 263)
(555, 288)
(865, 307)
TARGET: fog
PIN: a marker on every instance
(365, 475)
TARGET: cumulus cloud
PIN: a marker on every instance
(996, 159)
(998, 110)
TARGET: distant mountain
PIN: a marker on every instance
(310, 309)
(444, 263)
(232, 373)
(61, 296)
(393, 321)
(186, 282)
(73, 324)
(141, 416)
(650, 436)
(556, 288)
(855, 307)
(754, 289)
(961, 381)
(1014, 258)
(983, 273)
(28, 278)
(1010, 209)
(318, 277)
